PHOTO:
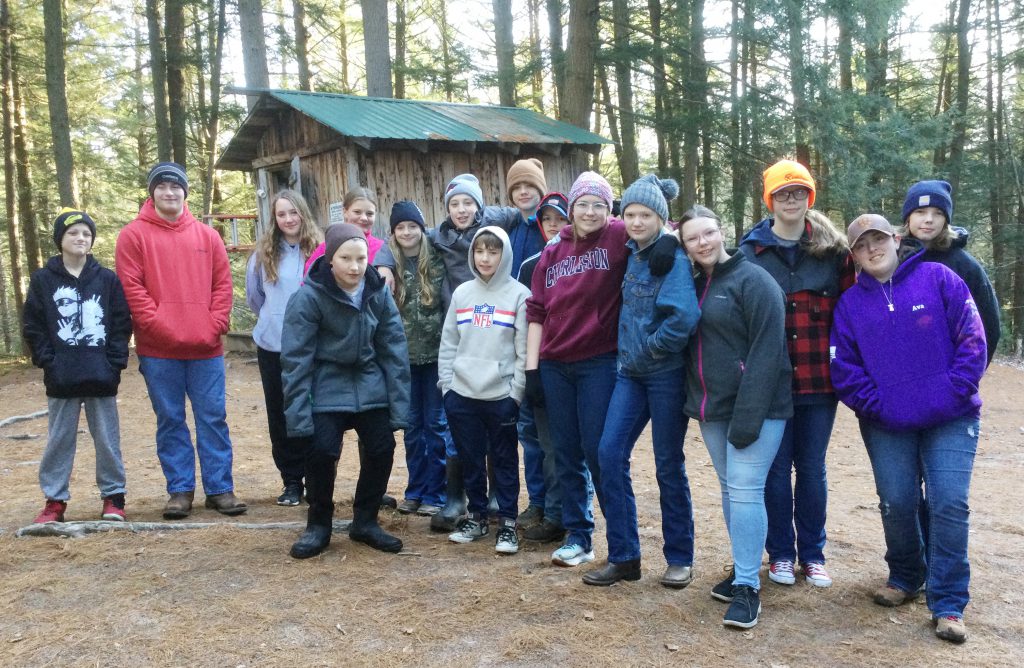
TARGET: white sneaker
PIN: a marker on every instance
(571, 555)
(816, 574)
(782, 572)
(507, 541)
(469, 529)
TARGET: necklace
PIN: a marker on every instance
(888, 295)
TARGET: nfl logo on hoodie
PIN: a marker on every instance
(483, 316)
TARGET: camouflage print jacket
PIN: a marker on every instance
(422, 323)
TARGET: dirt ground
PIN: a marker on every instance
(232, 597)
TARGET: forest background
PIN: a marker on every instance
(871, 94)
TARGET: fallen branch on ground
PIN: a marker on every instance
(22, 418)
(79, 529)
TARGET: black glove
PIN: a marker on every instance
(534, 388)
(662, 256)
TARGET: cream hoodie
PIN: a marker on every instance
(483, 343)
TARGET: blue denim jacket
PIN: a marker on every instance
(658, 315)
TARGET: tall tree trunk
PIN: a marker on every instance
(57, 101)
(942, 100)
(689, 111)
(343, 48)
(963, 91)
(580, 58)
(629, 161)
(158, 69)
(400, 49)
(301, 44)
(377, 48)
(613, 123)
(844, 46)
(555, 9)
(699, 77)
(505, 51)
(254, 47)
(26, 209)
(660, 90)
(174, 32)
(736, 148)
(536, 57)
(795, 12)
(754, 106)
(7, 101)
(141, 119)
(218, 28)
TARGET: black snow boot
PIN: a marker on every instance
(321, 472)
(365, 529)
(455, 494)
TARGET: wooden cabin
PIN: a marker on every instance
(324, 144)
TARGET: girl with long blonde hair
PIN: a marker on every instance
(274, 273)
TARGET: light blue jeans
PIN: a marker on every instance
(202, 381)
(741, 474)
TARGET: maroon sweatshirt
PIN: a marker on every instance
(577, 293)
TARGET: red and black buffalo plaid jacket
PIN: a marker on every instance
(812, 286)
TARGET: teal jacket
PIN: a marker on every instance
(336, 358)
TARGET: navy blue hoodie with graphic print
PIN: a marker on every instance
(77, 329)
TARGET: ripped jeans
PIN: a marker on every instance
(943, 458)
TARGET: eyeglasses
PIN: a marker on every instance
(584, 207)
(706, 235)
(799, 194)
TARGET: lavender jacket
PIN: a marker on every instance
(917, 365)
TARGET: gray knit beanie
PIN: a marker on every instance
(167, 171)
(652, 192)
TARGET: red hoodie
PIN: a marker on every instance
(177, 281)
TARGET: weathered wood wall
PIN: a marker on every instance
(331, 164)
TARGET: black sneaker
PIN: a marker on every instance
(545, 532)
(506, 542)
(291, 496)
(744, 609)
(723, 590)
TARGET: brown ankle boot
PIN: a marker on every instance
(179, 505)
(226, 504)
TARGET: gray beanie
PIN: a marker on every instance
(652, 192)
(337, 234)
(167, 171)
(464, 184)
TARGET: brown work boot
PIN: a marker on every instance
(891, 597)
(179, 505)
(226, 504)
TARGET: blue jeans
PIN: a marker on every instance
(796, 513)
(942, 458)
(427, 438)
(169, 381)
(552, 488)
(741, 475)
(577, 395)
(533, 456)
(635, 400)
(482, 430)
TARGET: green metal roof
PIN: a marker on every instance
(410, 120)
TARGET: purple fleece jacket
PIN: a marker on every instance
(577, 293)
(918, 365)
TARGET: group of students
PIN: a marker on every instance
(610, 327)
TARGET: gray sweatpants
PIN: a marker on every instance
(59, 457)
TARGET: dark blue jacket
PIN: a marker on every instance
(658, 315)
(77, 329)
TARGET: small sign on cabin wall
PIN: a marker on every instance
(336, 213)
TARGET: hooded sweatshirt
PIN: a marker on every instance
(915, 366)
(177, 280)
(337, 357)
(577, 293)
(483, 343)
(78, 329)
(268, 300)
(970, 270)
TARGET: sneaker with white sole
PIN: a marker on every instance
(816, 574)
(507, 541)
(469, 529)
(571, 554)
(781, 572)
(745, 608)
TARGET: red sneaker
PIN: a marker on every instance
(113, 508)
(53, 511)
